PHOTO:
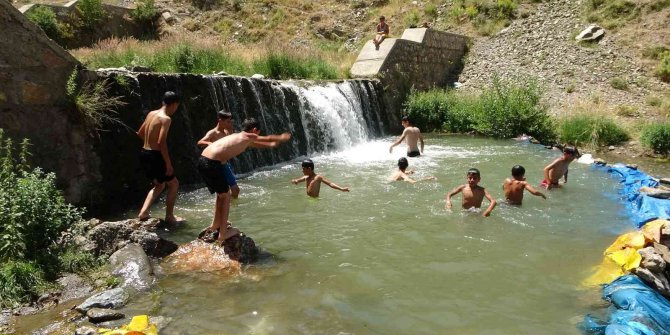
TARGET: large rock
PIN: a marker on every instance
(114, 298)
(108, 237)
(73, 287)
(657, 281)
(592, 33)
(132, 265)
(655, 192)
(198, 256)
(652, 260)
(240, 248)
(97, 315)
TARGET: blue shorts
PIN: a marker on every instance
(228, 173)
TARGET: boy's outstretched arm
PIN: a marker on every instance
(535, 192)
(452, 193)
(299, 180)
(274, 138)
(492, 205)
(206, 140)
(333, 185)
(402, 137)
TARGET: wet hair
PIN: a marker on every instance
(223, 115)
(171, 98)
(572, 151)
(382, 17)
(403, 163)
(518, 171)
(474, 172)
(406, 119)
(249, 124)
(307, 163)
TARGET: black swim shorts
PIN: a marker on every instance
(154, 166)
(413, 153)
(213, 172)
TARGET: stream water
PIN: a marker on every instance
(387, 258)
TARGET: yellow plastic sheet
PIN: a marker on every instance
(139, 325)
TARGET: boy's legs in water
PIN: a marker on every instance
(172, 186)
(153, 194)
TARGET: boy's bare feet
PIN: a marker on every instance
(144, 218)
(229, 232)
(173, 219)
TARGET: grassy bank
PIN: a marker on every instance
(207, 56)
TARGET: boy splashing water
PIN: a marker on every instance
(473, 194)
(313, 180)
(514, 187)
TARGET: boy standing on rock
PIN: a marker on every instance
(155, 159)
(313, 180)
(515, 186)
(412, 135)
(211, 167)
(224, 127)
(473, 194)
(559, 168)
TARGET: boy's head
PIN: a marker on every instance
(224, 117)
(406, 122)
(171, 101)
(251, 125)
(473, 177)
(518, 172)
(382, 18)
(307, 166)
(570, 153)
(403, 163)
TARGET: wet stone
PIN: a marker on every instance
(113, 298)
(97, 315)
(85, 330)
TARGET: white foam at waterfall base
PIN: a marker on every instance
(338, 113)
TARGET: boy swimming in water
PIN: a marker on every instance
(403, 174)
(211, 167)
(514, 187)
(559, 168)
(313, 180)
(473, 194)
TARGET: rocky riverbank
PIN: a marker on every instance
(136, 257)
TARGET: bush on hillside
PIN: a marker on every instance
(45, 18)
(594, 131)
(505, 110)
(91, 13)
(145, 12)
(657, 137)
(663, 68)
(286, 66)
(33, 215)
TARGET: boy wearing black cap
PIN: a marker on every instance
(473, 194)
(313, 180)
(559, 168)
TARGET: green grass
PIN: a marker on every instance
(619, 83)
(285, 66)
(663, 67)
(657, 137)
(591, 131)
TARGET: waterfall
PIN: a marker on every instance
(321, 117)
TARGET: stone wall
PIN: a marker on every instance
(33, 74)
(422, 58)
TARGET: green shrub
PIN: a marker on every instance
(430, 10)
(587, 130)
(145, 12)
(505, 110)
(93, 101)
(657, 137)
(285, 66)
(412, 19)
(619, 83)
(45, 18)
(91, 13)
(611, 13)
(663, 68)
(77, 261)
(20, 282)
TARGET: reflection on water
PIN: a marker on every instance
(387, 258)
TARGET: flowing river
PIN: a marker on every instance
(387, 258)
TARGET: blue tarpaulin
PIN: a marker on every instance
(642, 207)
(640, 310)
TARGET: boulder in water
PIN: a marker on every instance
(240, 247)
(97, 315)
(199, 256)
(655, 192)
(107, 237)
(132, 265)
(113, 298)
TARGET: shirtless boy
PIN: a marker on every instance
(514, 187)
(559, 168)
(313, 181)
(403, 174)
(155, 159)
(211, 166)
(412, 135)
(473, 194)
(224, 127)
(382, 31)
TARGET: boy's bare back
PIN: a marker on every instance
(230, 146)
(412, 135)
(513, 190)
(558, 169)
(155, 123)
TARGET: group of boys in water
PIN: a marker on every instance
(221, 144)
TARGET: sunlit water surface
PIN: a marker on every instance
(387, 258)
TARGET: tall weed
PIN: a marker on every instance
(591, 131)
(657, 137)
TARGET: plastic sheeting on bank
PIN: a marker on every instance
(640, 310)
(642, 207)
